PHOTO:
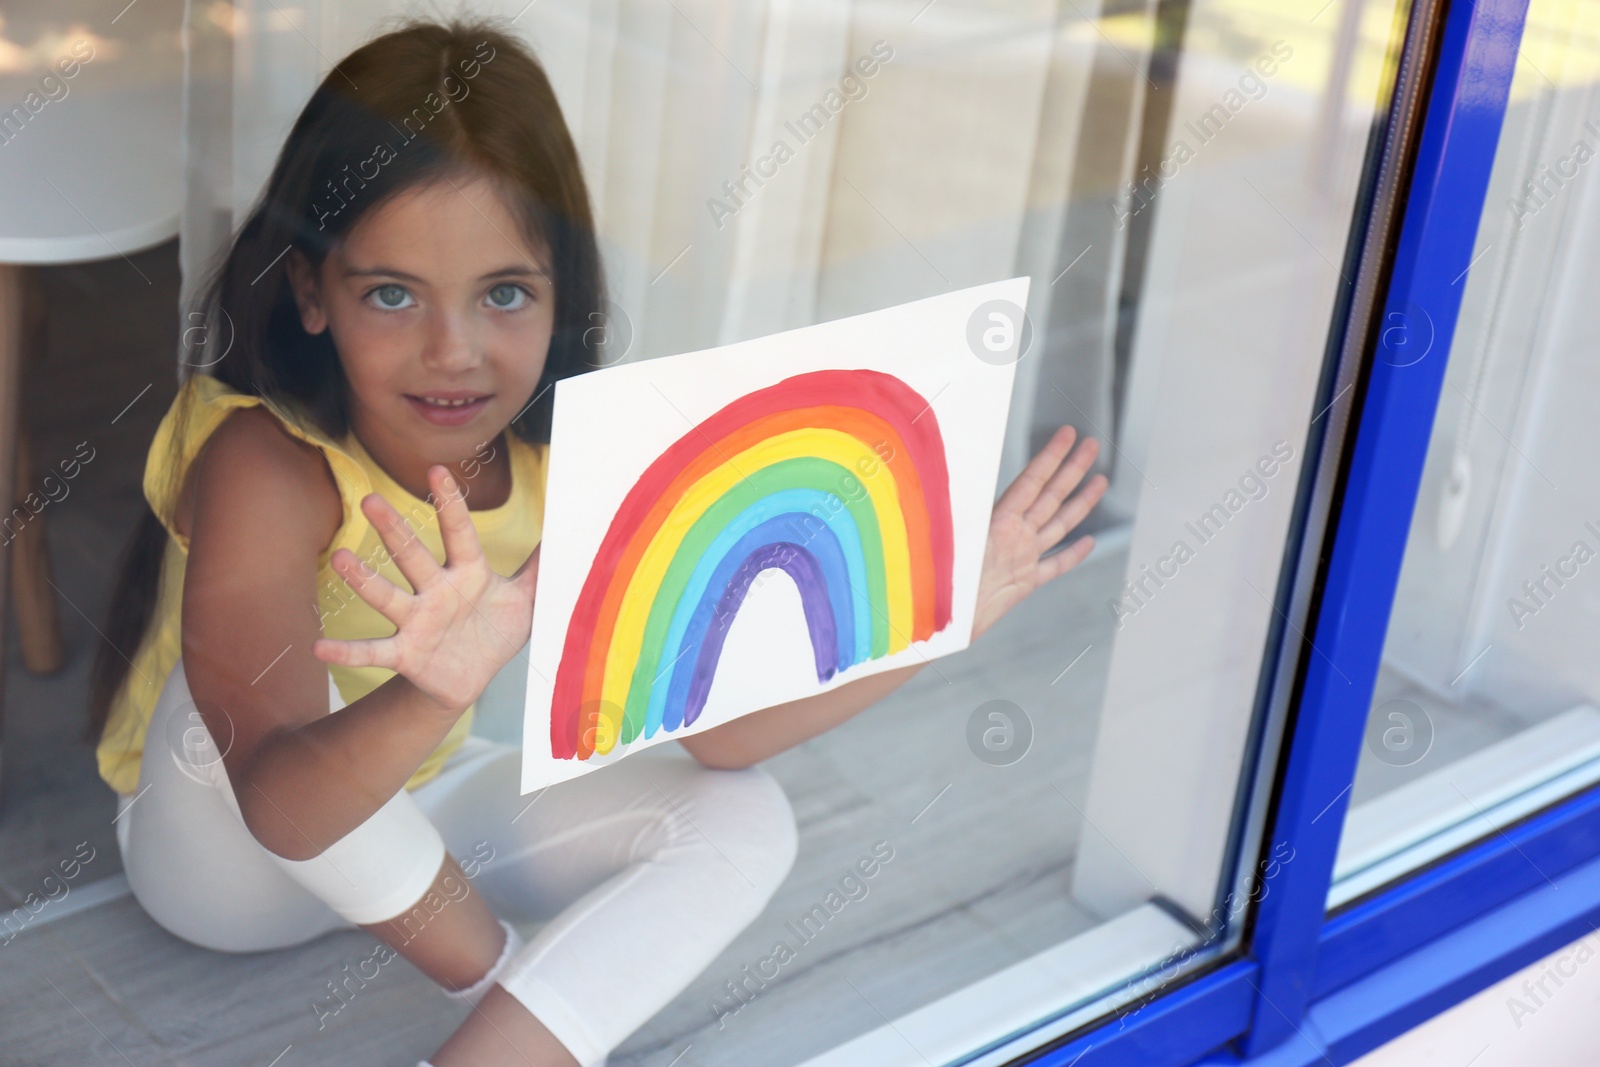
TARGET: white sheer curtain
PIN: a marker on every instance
(951, 165)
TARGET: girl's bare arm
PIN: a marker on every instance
(264, 506)
(749, 739)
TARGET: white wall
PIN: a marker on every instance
(1227, 354)
(1514, 1023)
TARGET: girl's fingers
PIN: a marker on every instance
(1062, 562)
(1073, 511)
(460, 537)
(386, 598)
(374, 652)
(405, 548)
(1031, 482)
(1065, 480)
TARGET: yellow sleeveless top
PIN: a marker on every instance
(508, 533)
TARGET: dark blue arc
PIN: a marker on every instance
(816, 562)
(801, 566)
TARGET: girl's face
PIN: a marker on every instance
(441, 314)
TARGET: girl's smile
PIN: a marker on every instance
(447, 407)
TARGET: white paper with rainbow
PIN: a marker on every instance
(735, 528)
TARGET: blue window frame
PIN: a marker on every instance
(1309, 987)
(1471, 85)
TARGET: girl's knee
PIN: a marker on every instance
(754, 824)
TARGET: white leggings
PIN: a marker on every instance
(642, 871)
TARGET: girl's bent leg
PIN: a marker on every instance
(190, 861)
(198, 870)
(449, 934)
(503, 1031)
(199, 873)
(645, 869)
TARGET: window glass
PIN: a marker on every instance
(1053, 818)
(1483, 711)
(1055, 821)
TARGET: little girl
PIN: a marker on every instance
(345, 514)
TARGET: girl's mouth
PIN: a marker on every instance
(446, 410)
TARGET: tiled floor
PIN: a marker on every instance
(104, 984)
(1446, 732)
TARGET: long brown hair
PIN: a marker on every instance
(465, 98)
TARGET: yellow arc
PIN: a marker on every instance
(814, 442)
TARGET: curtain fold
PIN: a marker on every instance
(759, 166)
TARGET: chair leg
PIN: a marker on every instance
(32, 595)
(11, 316)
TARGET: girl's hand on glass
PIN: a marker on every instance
(1034, 513)
(460, 623)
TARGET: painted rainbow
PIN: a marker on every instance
(789, 476)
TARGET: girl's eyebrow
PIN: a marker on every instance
(513, 271)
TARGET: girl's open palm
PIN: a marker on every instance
(460, 623)
(1035, 512)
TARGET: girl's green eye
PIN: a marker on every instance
(501, 294)
(389, 296)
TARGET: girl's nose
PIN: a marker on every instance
(451, 343)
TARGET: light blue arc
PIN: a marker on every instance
(840, 522)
